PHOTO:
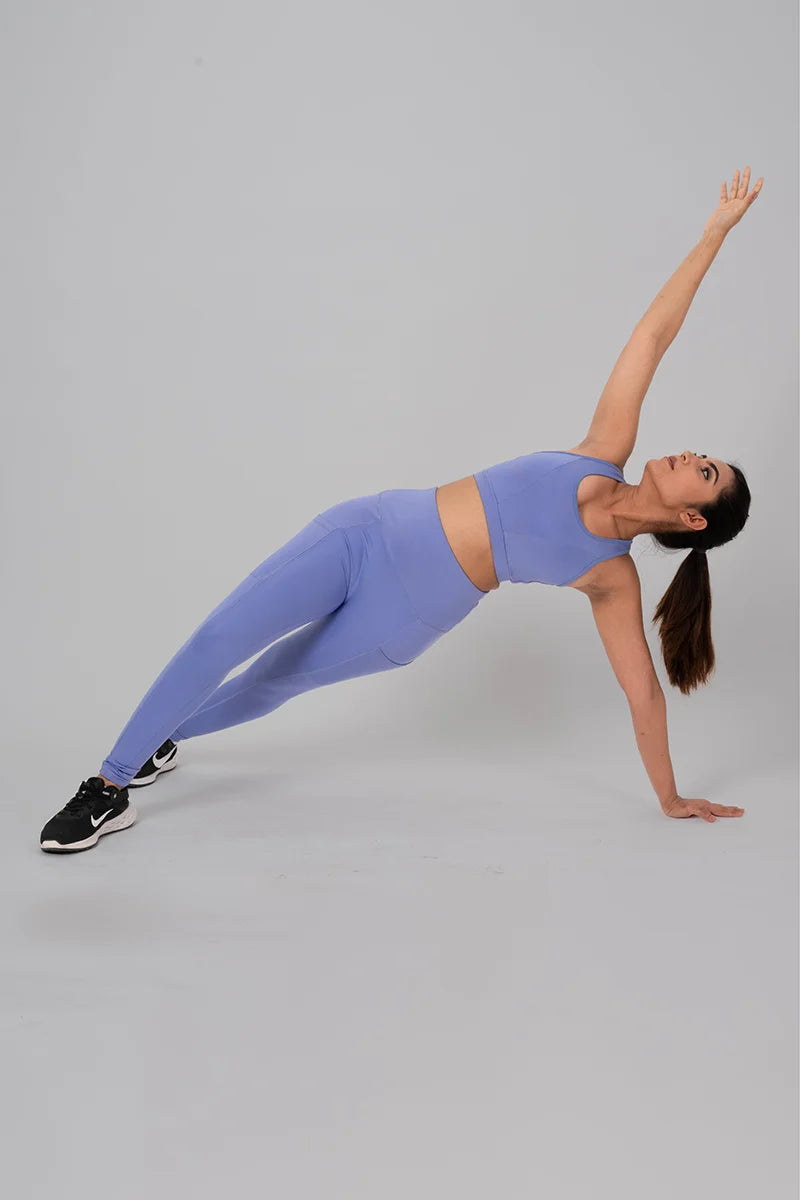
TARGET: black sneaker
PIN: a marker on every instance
(162, 760)
(95, 809)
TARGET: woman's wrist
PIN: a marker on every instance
(713, 234)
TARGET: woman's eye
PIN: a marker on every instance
(706, 472)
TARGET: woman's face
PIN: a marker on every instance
(688, 479)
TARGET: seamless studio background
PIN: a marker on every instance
(426, 930)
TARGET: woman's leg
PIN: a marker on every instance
(400, 567)
(276, 676)
(301, 582)
(349, 642)
(368, 585)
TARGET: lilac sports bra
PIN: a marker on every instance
(536, 532)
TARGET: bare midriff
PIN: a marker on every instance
(465, 526)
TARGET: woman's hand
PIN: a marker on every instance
(732, 208)
(678, 807)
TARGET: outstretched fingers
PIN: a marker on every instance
(726, 810)
(739, 187)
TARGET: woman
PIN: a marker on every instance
(371, 583)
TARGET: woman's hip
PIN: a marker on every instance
(400, 532)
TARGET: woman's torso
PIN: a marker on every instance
(464, 522)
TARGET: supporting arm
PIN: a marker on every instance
(650, 726)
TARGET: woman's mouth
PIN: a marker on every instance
(671, 460)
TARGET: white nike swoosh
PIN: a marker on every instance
(158, 761)
(99, 819)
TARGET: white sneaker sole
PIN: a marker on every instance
(121, 822)
(173, 762)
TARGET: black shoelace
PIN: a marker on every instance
(84, 799)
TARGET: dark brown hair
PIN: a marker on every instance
(685, 608)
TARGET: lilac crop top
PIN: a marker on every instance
(535, 528)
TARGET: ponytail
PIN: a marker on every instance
(685, 615)
(684, 611)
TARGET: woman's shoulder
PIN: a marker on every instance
(597, 450)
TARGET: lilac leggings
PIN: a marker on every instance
(366, 586)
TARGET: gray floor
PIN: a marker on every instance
(415, 971)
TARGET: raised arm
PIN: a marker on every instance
(615, 421)
(612, 433)
(666, 314)
(615, 424)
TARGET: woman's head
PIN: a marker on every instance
(710, 503)
(685, 483)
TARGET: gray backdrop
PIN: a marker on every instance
(427, 931)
